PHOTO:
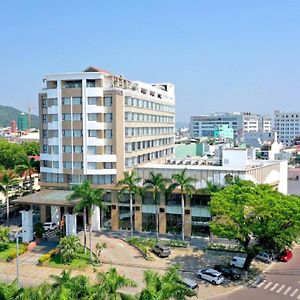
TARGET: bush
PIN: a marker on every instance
(3, 246)
(39, 230)
(223, 247)
(48, 255)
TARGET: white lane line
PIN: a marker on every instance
(287, 290)
(280, 289)
(274, 287)
(261, 284)
(294, 293)
(298, 297)
(266, 286)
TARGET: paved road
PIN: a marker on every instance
(281, 281)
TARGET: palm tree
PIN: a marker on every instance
(8, 178)
(10, 291)
(130, 183)
(26, 167)
(108, 285)
(157, 184)
(89, 198)
(185, 185)
(164, 287)
(100, 247)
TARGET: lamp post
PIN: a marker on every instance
(17, 260)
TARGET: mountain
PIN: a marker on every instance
(8, 113)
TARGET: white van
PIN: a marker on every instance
(238, 262)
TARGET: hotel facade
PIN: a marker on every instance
(95, 126)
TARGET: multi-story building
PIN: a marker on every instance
(287, 126)
(205, 125)
(95, 126)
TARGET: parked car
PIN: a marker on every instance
(265, 257)
(238, 262)
(161, 250)
(192, 284)
(228, 271)
(285, 255)
(49, 226)
(211, 275)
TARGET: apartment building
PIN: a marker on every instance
(205, 125)
(287, 126)
(95, 125)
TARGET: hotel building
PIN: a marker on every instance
(95, 125)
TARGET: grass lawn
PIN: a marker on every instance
(80, 261)
(11, 252)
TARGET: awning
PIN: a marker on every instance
(47, 197)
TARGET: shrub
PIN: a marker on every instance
(39, 230)
(223, 247)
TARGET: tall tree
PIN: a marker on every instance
(26, 167)
(88, 198)
(8, 178)
(164, 287)
(257, 216)
(184, 183)
(131, 184)
(109, 284)
(156, 184)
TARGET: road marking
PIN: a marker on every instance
(280, 289)
(261, 284)
(294, 293)
(266, 286)
(121, 244)
(287, 290)
(298, 297)
(274, 286)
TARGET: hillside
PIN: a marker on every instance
(8, 113)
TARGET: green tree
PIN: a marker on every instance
(39, 230)
(257, 216)
(164, 287)
(157, 185)
(108, 286)
(10, 153)
(88, 199)
(69, 246)
(31, 148)
(26, 167)
(184, 183)
(4, 240)
(130, 184)
(8, 178)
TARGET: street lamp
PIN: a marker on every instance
(17, 260)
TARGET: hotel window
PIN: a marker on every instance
(44, 103)
(108, 150)
(67, 149)
(108, 134)
(66, 101)
(66, 117)
(55, 164)
(90, 83)
(76, 100)
(67, 164)
(54, 101)
(92, 133)
(108, 165)
(45, 118)
(108, 117)
(77, 117)
(67, 133)
(54, 133)
(54, 118)
(91, 150)
(45, 148)
(55, 149)
(92, 100)
(108, 101)
(45, 133)
(77, 133)
(77, 165)
(92, 117)
(92, 165)
(77, 149)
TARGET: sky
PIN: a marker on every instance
(233, 55)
